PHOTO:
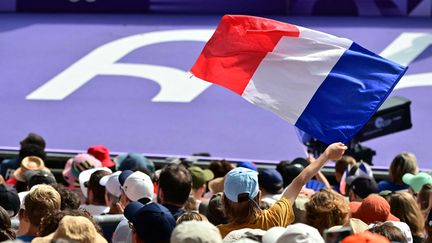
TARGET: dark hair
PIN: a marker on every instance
(288, 171)
(69, 198)
(343, 163)
(220, 167)
(215, 213)
(34, 139)
(6, 231)
(31, 150)
(391, 232)
(96, 188)
(175, 181)
(50, 222)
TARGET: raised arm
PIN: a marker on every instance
(333, 152)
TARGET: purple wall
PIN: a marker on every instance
(117, 110)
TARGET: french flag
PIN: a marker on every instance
(327, 86)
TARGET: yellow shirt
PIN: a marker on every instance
(280, 214)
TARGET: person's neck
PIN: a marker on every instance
(31, 231)
(197, 194)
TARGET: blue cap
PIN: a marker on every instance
(247, 164)
(124, 175)
(153, 222)
(271, 180)
(134, 161)
(240, 184)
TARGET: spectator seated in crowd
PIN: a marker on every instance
(41, 201)
(94, 192)
(241, 196)
(200, 178)
(6, 231)
(403, 163)
(243, 204)
(150, 222)
(175, 184)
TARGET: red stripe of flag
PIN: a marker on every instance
(237, 47)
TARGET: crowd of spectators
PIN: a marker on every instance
(221, 202)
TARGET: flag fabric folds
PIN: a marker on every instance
(327, 86)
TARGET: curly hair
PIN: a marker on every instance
(69, 198)
(50, 222)
(191, 215)
(325, 209)
(6, 232)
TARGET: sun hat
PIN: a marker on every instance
(75, 165)
(29, 163)
(74, 229)
(101, 153)
(196, 232)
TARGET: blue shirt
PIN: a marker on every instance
(25, 238)
(390, 186)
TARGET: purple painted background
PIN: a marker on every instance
(118, 112)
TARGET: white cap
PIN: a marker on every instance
(293, 233)
(138, 185)
(196, 231)
(111, 183)
(84, 177)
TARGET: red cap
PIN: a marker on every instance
(372, 209)
(365, 236)
(101, 153)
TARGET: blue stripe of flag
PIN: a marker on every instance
(352, 92)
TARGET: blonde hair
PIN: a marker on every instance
(404, 206)
(40, 202)
(325, 209)
(403, 163)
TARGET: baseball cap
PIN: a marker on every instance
(124, 175)
(111, 183)
(271, 180)
(196, 231)
(416, 182)
(372, 209)
(138, 185)
(101, 153)
(35, 177)
(200, 176)
(365, 236)
(247, 164)
(134, 161)
(240, 184)
(84, 177)
(29, 163)
(9, 200)
(75, 229)
(75, 165)
(363, 186)
(298, 232)
(152, 222)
